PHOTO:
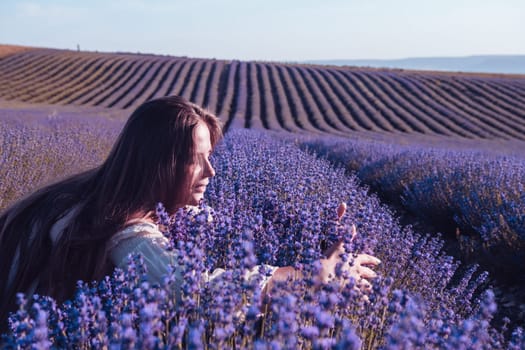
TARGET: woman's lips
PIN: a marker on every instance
(200, 188)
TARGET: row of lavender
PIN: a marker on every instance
(273, 204)
(471, 189)
(274, 96)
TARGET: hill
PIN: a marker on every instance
(508, 64)
(277, 96)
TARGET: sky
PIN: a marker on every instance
(270, 30)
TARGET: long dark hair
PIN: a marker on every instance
(147, 165)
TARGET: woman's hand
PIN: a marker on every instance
(355, 267)
(359, 267)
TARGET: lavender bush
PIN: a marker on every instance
(475, 186)
(275, 204)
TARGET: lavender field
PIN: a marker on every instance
(291, 97)
(429, 164)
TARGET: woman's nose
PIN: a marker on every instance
(208, 170)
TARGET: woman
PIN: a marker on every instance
(82, 227)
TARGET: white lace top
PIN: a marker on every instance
(146, 238)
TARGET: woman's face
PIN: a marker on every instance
(200, 171)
